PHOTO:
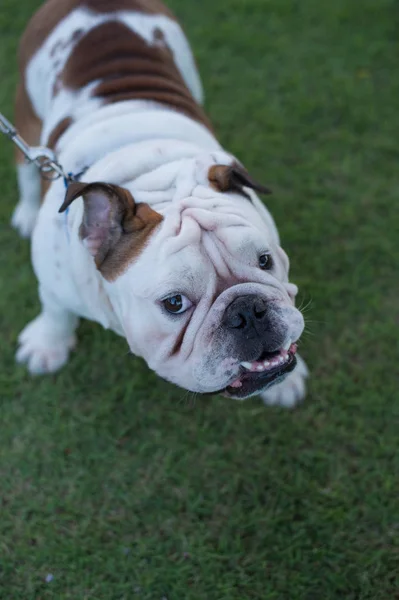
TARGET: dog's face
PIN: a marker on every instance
(219, 317)
(206, 302)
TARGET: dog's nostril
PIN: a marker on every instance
(246, 312)
(259, 314)
(238, 321)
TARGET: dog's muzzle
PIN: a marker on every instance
(259, 336)
(252, 323)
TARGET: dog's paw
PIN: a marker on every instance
(42, 348)
(24, 218)
(291, 391)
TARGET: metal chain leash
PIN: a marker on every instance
(44, 158)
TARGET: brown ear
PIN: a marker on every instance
(233, 178)
(114, 228)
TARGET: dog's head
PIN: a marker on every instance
(200, 288)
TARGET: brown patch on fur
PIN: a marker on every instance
(58, 131)
(45, 186)
(233, 178)
(129, 69)
(219, 177)
(53, 11)
(123, 232)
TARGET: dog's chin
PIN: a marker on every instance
(251, 384)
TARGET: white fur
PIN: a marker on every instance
(79, 146)
(207, 246)
(68, 103)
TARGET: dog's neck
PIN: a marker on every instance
(110, 128)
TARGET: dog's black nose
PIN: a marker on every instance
(245, 312)
(250, 318)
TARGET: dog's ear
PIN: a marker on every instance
(233, 178)
(114, 228)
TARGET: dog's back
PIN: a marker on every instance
(77, 55)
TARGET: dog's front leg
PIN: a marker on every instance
(45, 343)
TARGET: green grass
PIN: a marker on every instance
(121, 486)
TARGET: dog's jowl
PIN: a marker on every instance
(163, 239)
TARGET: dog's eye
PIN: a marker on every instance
(265, 262)
(177, 304)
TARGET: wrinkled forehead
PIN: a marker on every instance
(232, 223)
(202, 227)
(196, 248)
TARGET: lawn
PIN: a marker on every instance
(117, 486)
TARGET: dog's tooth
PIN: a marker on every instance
(260, 368)
(266, 364)
(246, 365)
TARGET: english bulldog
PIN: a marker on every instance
(163, 239)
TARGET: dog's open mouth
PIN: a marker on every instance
(260, 374)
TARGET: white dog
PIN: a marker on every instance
(163, 239)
